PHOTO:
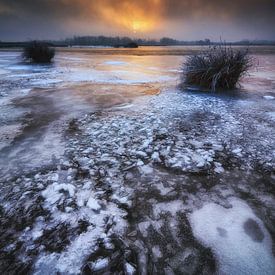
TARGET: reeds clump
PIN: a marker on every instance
(219, 67)
(38, 52)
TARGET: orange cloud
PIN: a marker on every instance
(133, 16)
(184, 19)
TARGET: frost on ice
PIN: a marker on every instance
(110, 184)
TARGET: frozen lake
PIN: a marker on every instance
(106, 166)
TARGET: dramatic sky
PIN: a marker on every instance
(181, 19)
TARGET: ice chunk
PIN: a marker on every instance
(129, 269)
(140, 163)
(237, 151)
(100, 264)
(156, 251)
(155, 157)
(218, 168)
(143, 227)
(93, 204)
(146, 169)
(36, 234)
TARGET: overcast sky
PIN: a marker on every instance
(184, 19)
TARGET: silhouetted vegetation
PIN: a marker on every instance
(220, 67)
(100, 41)
(131, 45)
(118, 42)
(38, 52)
(123, 41)
(128, 45)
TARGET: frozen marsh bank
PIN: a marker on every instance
(107, 167)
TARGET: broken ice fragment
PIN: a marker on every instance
(93, 204)
(100, 264)
(129, 269)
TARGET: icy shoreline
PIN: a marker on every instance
(101, 177)
(170, 157)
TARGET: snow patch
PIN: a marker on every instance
(114, 62)
(268, 97)
(55, 191)
(237, 236)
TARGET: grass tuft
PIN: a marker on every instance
(219, 67)
(38, 52)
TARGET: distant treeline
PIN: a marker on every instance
(165, 41)
(124, 41)
(24, 44)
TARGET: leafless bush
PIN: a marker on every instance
(38, 52)
(219, 67)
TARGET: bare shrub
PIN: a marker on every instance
(219, 67)
(38, 52)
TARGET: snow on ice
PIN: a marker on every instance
(120, 182)
(237, 236)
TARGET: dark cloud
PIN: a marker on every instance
(185, 19)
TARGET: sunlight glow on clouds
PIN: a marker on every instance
(182, 19)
